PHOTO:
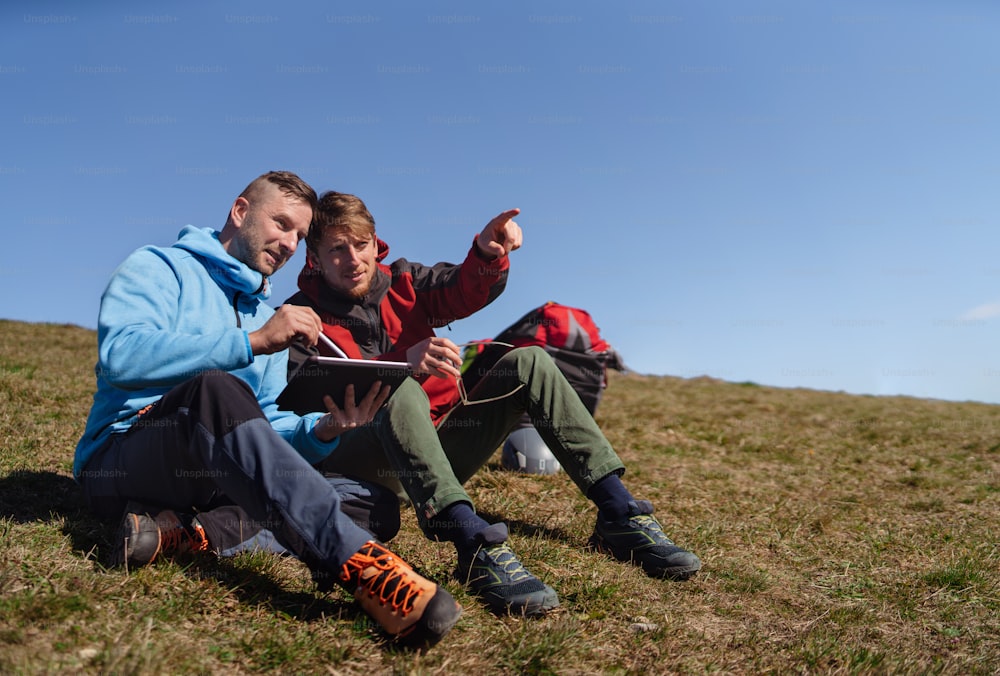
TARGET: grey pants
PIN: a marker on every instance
(206, 444)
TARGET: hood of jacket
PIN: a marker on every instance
(227, 271)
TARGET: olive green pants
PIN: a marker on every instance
(402, 450)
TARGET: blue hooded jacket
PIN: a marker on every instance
(170, 313)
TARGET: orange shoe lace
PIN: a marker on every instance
(179, 539)
(391, 583)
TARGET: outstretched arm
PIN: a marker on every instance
(448, 292)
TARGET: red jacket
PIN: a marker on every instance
(404, 305)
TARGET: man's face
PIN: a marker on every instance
(347, 264)
(270, 226)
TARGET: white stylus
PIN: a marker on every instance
(332, 345)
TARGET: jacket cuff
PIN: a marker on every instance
(499, 262)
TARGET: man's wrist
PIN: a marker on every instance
(321, 425)
(252, 343)
(484, 256)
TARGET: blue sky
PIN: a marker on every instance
(799, 194)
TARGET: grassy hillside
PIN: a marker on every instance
(839, 534)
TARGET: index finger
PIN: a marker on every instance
(306, 323)
(310, 317)
(505, 216)
(444, 341)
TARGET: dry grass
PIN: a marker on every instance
(839, 534)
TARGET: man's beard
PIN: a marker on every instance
(360, 291)
(252, 249)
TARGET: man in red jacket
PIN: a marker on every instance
(432, 439)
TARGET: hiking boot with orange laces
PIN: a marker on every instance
(411, 609)
(143, 537)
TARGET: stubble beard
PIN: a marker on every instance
(354, 293)
(359, 292)
(252, 250)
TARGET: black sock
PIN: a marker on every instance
(611, 498)
(457, 523)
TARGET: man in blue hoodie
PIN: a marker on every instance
(190, 362)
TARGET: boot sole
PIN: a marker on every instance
(677, 573)
(531, 607)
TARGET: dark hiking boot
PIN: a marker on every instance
(640, 540)
(143, 537)
(493, 572)
(413, 610)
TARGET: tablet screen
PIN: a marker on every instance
(319, 376)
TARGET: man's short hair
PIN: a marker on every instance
(287, 182)
(340, 213)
